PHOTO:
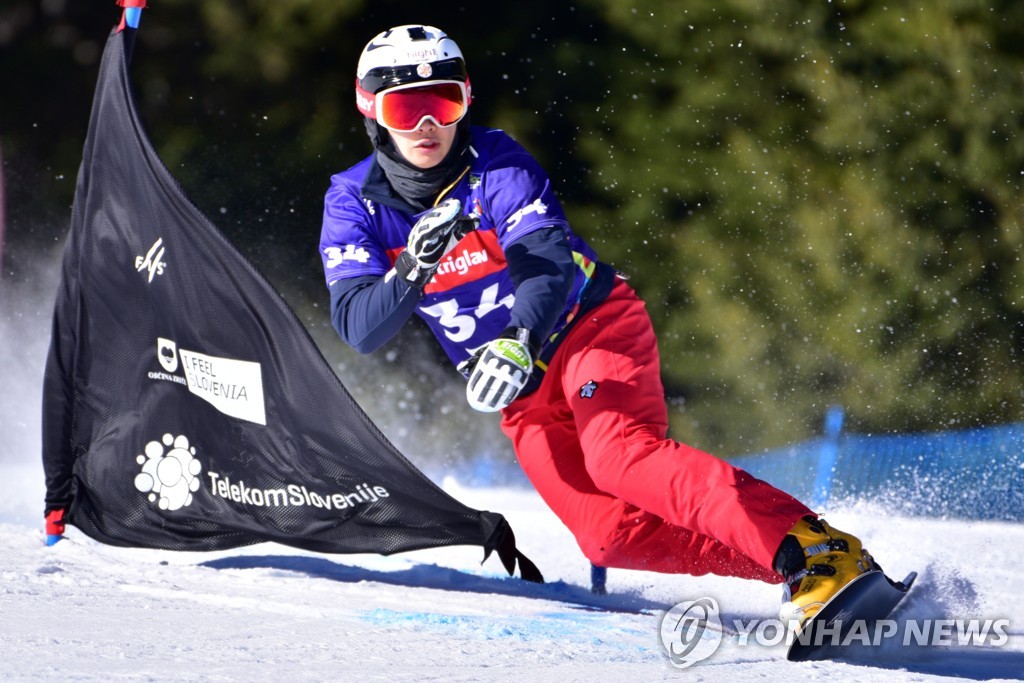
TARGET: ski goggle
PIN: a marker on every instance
(404, 108)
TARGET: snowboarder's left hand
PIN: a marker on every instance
(498, 370)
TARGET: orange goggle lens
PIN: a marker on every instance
(403, 109)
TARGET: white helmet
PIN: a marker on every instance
(405, 55)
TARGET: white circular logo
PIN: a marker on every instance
(691, 631)
(170, 477)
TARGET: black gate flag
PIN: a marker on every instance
(186, 407)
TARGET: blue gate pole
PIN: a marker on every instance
(598, 579)
(827, 457)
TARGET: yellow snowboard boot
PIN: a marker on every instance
(816, 562)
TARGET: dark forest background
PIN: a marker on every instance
(820, 201)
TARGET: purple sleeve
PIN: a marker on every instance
(518, 198)
(349, 245)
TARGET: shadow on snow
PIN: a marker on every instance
(443, 578)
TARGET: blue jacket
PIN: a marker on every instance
(524, 266)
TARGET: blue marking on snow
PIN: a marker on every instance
(584, 629)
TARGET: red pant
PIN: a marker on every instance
(592, 440)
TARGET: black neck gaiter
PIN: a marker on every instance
(419, 187)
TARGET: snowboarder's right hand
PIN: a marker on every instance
(54, 526)
(434, 235)
(498, 370)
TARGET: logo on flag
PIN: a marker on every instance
(167, 354)
(153, 261)
(170, 472)
(234, 387)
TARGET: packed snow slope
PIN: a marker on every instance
(84, 611)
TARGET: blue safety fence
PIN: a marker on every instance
(965, 474)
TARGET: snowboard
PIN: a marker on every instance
(868, 598)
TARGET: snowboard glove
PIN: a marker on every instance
(54, 526)
(434, 235)
(499, 370)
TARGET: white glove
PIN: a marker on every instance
(434, 235)
(498, 371)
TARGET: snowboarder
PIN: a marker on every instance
(460, 225)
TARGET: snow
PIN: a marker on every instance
(84, 611)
